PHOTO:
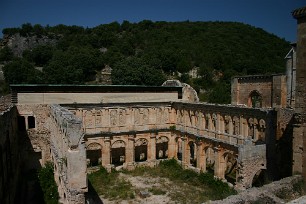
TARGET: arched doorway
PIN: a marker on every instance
(141, 150)
(118, 153)
(94, 154)
(259, 178)
(162, 148)
(255, 99)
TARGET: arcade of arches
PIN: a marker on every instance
(203, 137)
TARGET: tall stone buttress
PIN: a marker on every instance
(299, 131)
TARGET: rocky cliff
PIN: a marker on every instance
(18, 43)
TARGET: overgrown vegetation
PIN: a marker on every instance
(110, 185)
(185, 186)
(146, 53)
(47, 183)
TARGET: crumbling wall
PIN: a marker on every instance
(251, 160)
(68, 154)
(276, 192)
(36, 134)
(272, 90)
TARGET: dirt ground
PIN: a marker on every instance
(143, 184)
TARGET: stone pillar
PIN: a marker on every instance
(26, 121)
(235, 91)
(255, 126)
(172, 147)
(152, 149)
(243, 127)
(106, 150)
(219, 163)
(299, 131)
(297, 149)
(185, 153)
(130, 157)
(201, 160)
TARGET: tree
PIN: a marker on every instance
(6, 54)
(76, 65)
(21, 71)
(221, 93)
(135, 71)
(40, 55)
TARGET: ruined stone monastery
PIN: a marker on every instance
(80, 127)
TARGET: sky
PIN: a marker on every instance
(274, 16)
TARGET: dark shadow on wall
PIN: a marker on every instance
(284, 151)
(92, 196)
(30, 189)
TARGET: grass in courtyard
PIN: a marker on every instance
(110, 185)
(186, 186)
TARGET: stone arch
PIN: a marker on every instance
(198, 119)
(191, 151)
(141, 150)
(179, 147)
(255, 99)
(261, 130)
(122, 117)
(251, 128)
(210, 158)
(236, 125)
(221, 125)
(228, 124)
(118, 153)
(230, 161)
(214, 122)
(162, 147)
(93, 154)
(88, 119)
(247, 171)
(259, 178)
(180, 116)
(207, 121)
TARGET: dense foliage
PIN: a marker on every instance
(47, 183)
(147, 52)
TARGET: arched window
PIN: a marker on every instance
(255, 100)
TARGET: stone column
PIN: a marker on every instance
(130, 157)
(185, 153)
(106, 154)
(26, 122)
(172, 147)
(201, 160)
(152, 149)
(219, 163)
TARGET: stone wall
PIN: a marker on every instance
(299, 132)
(276, 192)
(271, 91)
(68, 154)
(196, 132)
(10, 157)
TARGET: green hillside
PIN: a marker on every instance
(147, 53)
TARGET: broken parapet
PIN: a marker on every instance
(69, 155)
(251, 160)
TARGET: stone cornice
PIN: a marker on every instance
(299, 13)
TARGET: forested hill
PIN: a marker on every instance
(145, 53)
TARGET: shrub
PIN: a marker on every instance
(47, 183)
